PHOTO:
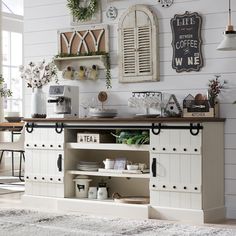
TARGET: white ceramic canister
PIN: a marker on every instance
(92, 193)
(81, 187)
(102, 193)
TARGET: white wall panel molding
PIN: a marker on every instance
(230, 187)
(230, 141)
(230, 155)
(41, 49)
(230, 171)
(47, 11)
(33, 4)
(47, 24)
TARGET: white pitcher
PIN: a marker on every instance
(102, 193)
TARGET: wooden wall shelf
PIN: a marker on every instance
(76, 62)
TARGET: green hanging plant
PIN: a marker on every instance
(82, 13)
(108, 70)
(3, 91)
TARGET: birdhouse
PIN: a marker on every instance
(173, 108)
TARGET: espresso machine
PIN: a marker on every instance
(65, 99)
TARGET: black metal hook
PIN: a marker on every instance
(156, 127)
(59, 128)
(192, 128)
(29, 128)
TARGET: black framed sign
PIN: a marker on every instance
(187, 42)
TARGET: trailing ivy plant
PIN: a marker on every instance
(108, 70)
(106, 62)
(82, 13)
(3, 91)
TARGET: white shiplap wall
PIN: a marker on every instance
(43, 18)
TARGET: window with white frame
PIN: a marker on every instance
(12, 49)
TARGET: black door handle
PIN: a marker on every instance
(59, 162)
(154, 167)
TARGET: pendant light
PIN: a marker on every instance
(229, 41)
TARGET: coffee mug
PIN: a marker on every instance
(142, 166)
(109, 163)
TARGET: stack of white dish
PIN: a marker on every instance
(88, 166)
(98, 112)
(13, 116)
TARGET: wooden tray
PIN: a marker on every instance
(133, 200)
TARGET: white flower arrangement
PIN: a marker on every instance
(36, 76)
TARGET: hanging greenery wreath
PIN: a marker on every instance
(82, 13)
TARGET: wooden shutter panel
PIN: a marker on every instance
(144, 50)
(129, 52)
(138, 45)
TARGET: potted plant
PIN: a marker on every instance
(215, 87)
(36, 76)
(4, 92)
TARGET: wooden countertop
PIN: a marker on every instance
(11, 126)
(124, 120)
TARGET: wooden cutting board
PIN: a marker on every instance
(133, 200)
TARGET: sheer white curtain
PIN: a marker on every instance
(1, 100)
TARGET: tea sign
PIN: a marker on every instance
(187, 42)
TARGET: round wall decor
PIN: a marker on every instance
(166, 3)
(112, 13)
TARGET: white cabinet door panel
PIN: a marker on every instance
(44, 138)
(175, 199)
(196, 201)
(196, 169)
(176, 141)
(185, 200)
(176, 168)
(185, 171)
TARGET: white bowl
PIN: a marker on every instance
(13, 118)
(132, 167)
(12, 114)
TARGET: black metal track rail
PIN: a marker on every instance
(156, 128)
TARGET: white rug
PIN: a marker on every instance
(11, 188)
(8, 179)
(27, 223)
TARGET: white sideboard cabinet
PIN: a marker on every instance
(185, 156)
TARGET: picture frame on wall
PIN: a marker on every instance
(187, 42)
(96, 18)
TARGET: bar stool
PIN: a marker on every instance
(17, 146)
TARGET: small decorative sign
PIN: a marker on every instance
(94, 138)
(187, 42)
(87, 40)
(197, 106)
(87, 138)
(112, 13)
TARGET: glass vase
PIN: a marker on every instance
(38, 104)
